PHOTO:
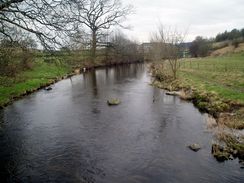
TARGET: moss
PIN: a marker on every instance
(220, 153)
(113, 101)
(202, 105)
(239, 147)
(222, 156)
(233, 145)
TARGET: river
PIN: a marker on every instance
(70, 134)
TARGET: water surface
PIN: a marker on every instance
(70, 134)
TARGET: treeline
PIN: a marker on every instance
(21, 55)
(230, 35)
(122, 49)
(78, 31)
(201, 47)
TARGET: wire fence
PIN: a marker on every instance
(216, 67)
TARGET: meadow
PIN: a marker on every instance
(223, 75)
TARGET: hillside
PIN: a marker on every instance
(227, 50)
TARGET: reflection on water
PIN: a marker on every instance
(70, 134)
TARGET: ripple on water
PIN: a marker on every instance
(71, 135)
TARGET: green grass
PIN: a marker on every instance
(42, 73)
(222, 75)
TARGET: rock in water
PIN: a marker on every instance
(195, 147)
(173, 93)
(48, 88)
(113, 101)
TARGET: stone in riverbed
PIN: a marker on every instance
(113, 101)
(48, 88)
(173, 93)
(195, 147)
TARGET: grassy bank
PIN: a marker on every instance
(47, 69)
(25, 82)
(222, 75)
(216, 86)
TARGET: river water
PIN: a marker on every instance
(70, 134)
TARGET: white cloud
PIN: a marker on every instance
(200, 17)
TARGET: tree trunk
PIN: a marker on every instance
(94, 45)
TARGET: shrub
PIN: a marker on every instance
(7, 68)
(14, 58)
(236, 43)
(27, 60)
(200, 47)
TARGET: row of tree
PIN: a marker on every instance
(55, 23)
(230, 35)
(201, 47)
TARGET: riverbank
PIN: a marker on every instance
(43, 74)
(214, 85)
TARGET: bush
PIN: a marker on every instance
(200, 47)
(14, 58)
(7, 68)
(27, 60)
(220, 45)
(236, 43)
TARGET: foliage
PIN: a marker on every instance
(200, 47)
(231, 35)
(98, 16)
(236, 42)
(121, 49)
(45, 20)
(14, 57)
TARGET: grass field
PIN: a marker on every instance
(223, 75)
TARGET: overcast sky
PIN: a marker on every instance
(198, 17)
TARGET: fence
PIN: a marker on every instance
(215, 66)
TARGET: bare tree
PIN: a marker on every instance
(125, 50)
(45, 19)
(167, 44)
(100, 15)
(79, 40)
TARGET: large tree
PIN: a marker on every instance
(45, 19)
(99, 15)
